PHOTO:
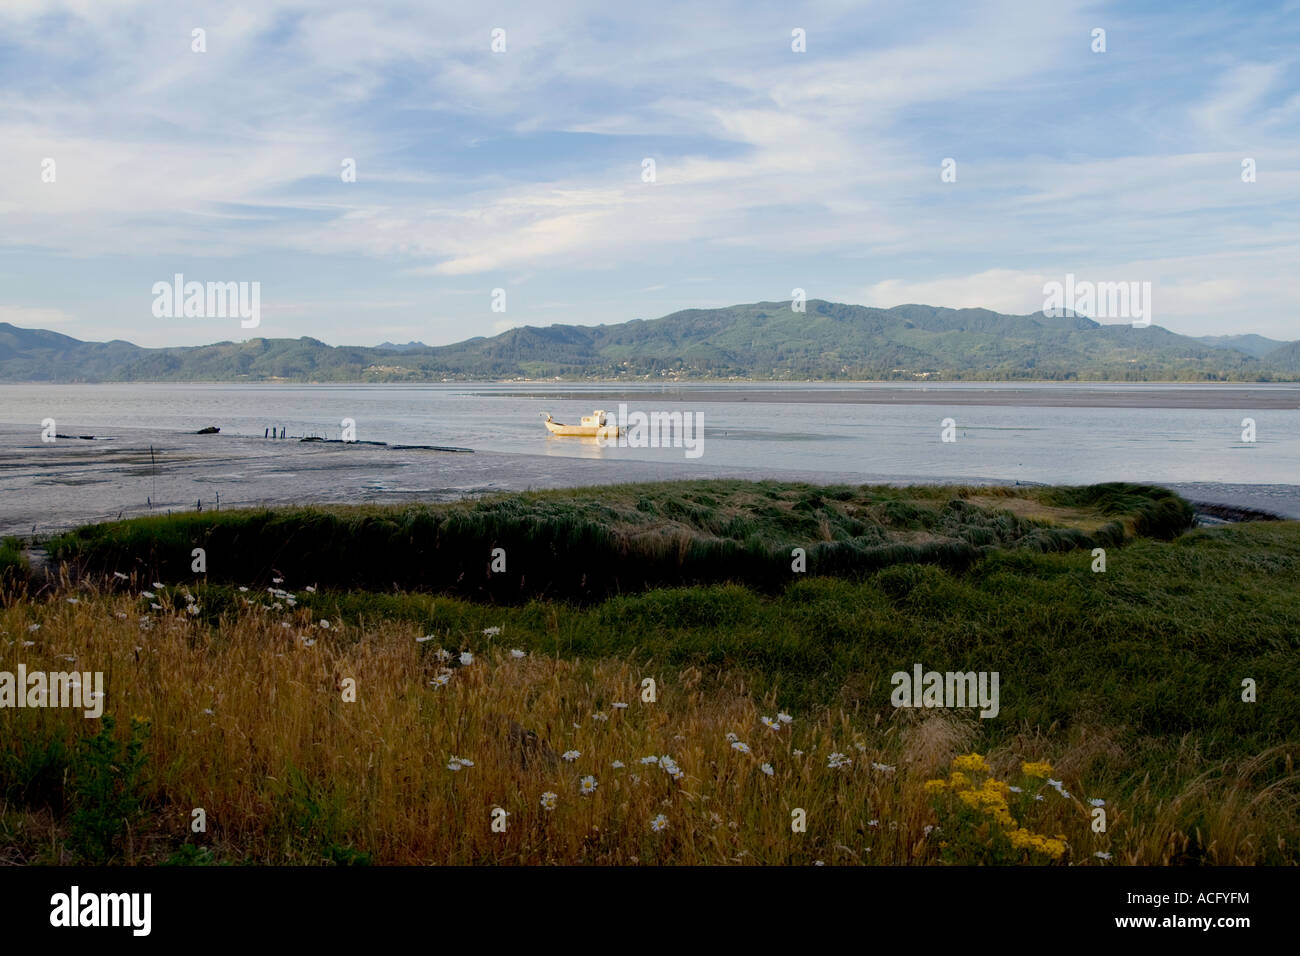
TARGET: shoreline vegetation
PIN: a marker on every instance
(523, 689)
(672, 380)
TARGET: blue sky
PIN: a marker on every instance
(522, 170)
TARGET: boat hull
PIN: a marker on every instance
(582, 431)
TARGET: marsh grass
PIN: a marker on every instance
(1132, 697)
(587, 544)
(1128, 683)
(15, 570)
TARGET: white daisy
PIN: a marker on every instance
(617, 765)
(619, 705)
(659, 823)
(670, 767)
(491, 631)
(767, 769)
(740, 745)
(517, 653)
(784, 718)
(548, 800)
(466, 658)
(421, 640)
(588, 785)
(571, 755)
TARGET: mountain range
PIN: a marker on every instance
(763, 341)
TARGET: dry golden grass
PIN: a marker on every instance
(1023, 506)
(249, 721)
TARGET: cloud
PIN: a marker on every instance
(34, 317)
(1002, 290)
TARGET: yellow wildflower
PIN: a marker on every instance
(971, 762)
(1041, 769)
(934, 786)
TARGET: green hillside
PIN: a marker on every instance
(763, 340)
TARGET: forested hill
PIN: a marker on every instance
(765, 341)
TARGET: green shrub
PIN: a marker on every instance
(107, 789)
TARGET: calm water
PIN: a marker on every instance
(999, 441)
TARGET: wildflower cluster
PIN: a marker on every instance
(991, 825)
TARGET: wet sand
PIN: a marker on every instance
(46, 488)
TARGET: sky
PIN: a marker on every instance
(524, 168)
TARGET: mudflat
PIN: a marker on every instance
(127, 472)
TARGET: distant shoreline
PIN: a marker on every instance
(1102, 394)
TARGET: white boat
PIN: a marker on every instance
(593, 426)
